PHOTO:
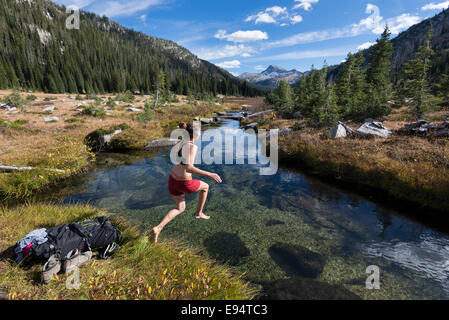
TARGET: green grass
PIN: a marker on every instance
(68, 155)
(139, 270)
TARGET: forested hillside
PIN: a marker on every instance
(38, 52)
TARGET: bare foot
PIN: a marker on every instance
(202, 216)
(154, 236)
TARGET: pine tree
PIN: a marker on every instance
(379, 65)
(442, 87)
(282, 98)
(344, 80)
(417, 73)
(159, 87)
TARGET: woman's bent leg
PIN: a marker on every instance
(180, 208)
(203, 190)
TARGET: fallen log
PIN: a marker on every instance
(11, 169)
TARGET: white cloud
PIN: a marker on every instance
(234, 64)
(436, 6)
(305, 4)
(143, 17)
(227, 51)
(296, 19)
(242, 36)
(372, 24)
(276, 10)
(274, 15)
(261, 17)
(366, 45)
(260, 68)
(400, 23)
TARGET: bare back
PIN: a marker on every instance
(180, 170)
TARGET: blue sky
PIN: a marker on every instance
(248, 36)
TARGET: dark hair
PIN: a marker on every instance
(188, 127)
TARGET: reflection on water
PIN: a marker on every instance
(287, 226)
(428, 256)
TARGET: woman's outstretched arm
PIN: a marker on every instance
(193, 170)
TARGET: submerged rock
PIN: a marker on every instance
(297, 260)
(148, 198)
(226, 247)
(306, 289)
(374, 129)
(272, 223)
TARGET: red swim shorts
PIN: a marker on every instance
(178, 188)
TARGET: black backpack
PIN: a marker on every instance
(94, 234)
(101, 234)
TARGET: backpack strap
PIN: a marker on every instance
(110, 250)
(79, 230)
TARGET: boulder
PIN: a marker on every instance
(425, 128)
(226, 248)
(298, 115)
(149, 197)
(297, 261)
(207, 120)
(132, 109)
(99, 140)
(274, 222)
(285, 132)
(306, 289)
(259, 114)
(341, 130)
(253, 126)
(442, 133)
(374, 129)
(7, 108)
(51, 119)
(108, 137)
(247, 107)
(161, 143)
(49, 109)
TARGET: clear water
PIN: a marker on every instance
(333, 236)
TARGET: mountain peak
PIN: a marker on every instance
(272, 76)
(273, 69)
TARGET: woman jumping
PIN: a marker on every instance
(181, 183)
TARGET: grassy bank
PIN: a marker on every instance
(410, 169)
(26, 139)
(138, 271)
